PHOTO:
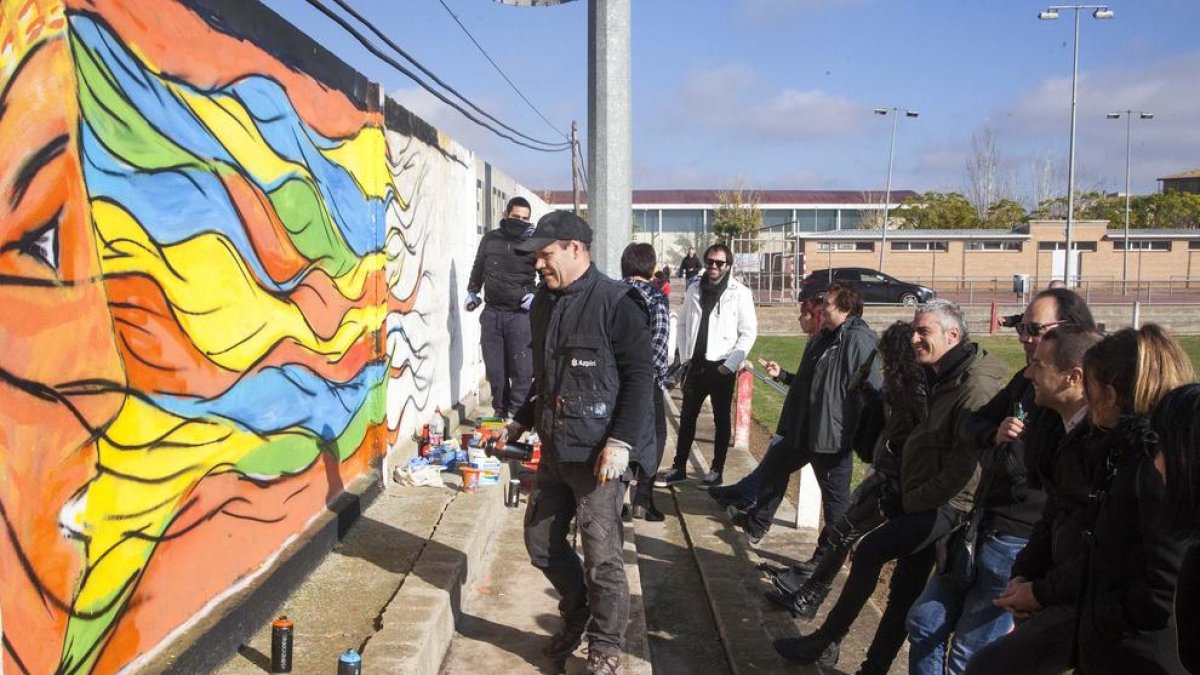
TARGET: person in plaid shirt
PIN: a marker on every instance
(637, 266)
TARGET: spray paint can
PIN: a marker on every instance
(281, 645)
(350, 663)
(512, 497)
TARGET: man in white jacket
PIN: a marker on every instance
(717, 327)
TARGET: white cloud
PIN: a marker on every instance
(734, 101)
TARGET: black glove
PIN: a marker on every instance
(891, 503)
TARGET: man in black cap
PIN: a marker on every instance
(593, 383)
(507, 278)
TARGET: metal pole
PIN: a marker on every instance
(1128, 150)
(887, 197)
(575, 166)
(1071, 155)
(610, 191)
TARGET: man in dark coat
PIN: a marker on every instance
(593, 383)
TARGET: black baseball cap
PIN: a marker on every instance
(556, 226)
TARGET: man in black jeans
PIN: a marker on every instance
(717, 328)
(508, 281)
(819, 416)
(938, 475)
(594, 379)
(689, 267)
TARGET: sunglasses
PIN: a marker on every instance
(712, 262)
(1033, 330)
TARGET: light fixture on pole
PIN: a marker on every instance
(1050, 14)
(887, 198)
(1143, 115)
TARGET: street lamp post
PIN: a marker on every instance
(1050, 14)
(887, 198)
(1142, 115)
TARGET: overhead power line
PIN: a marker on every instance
(500, 70)
(371, 47)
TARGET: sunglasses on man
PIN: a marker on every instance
(713, 262)
(1034, 330)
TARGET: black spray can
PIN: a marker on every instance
(281, 645)
(350, 663)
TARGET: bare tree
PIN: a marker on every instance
(987, 179)
(1047, 179)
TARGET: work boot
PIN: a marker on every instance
(602, 662)
(645, 509)
(563, 643)
(810, 649)
(741, 520)
(790, 581)
(809, 600)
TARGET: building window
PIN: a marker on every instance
(845, 246)
(1194, 245)
(919, 246)
(1060, 246)
(1142, 245)
(778, 218)
(682, 220)
(993, 246)
(645, 220)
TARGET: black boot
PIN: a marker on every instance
(645, 508)
(810, 649)
(809, 600)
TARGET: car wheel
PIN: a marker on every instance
(909, 299)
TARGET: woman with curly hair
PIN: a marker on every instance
(1126, 611)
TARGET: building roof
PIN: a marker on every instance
(1008, 235)
(1194, 173)
(766, 197)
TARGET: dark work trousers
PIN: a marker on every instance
(907, 539)
(597, 588)
(833, 477)
(507, 357)
(1042, 644)
(645, 484)
(704, 381)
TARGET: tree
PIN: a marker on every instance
(1006, 214)
(986, 179)
(1170, 210)
(737, 215)
(937, 211)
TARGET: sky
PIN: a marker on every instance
(778, 94)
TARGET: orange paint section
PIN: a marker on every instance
(266, 232)
(46, 453)
(182, 45)
(190, 566)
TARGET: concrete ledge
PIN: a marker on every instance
(418, 624)
(204, 644)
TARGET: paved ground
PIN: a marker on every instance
(435, 580)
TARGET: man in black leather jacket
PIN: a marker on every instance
(508, 281)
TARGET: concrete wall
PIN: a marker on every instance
(231, 278)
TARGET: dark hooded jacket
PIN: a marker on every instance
(504, 274)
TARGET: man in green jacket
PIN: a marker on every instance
(938, 476)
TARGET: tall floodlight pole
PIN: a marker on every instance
(887, 196)
(610, 158)
(1142, 114)
(1050, 14)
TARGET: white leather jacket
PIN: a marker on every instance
(732, 326)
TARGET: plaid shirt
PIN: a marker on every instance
(660, 326)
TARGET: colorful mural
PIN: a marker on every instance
(216, 311)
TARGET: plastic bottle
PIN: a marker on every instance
(437, 428)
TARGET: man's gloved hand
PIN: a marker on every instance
(526, 301)
(613, 461)
(513, 431)
(472, 301)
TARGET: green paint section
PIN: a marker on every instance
(312, 231)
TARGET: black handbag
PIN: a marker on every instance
(958, 551)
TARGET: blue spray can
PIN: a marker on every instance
(350, 663)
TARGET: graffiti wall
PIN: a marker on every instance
(230, 280)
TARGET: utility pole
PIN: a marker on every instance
(575, 166)
(610, 159)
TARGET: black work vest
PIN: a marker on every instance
(574, 370)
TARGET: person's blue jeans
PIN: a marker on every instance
(968, 615)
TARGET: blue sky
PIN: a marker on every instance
(779, 93)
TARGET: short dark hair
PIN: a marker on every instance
(638, 260)
(723, 249)
(1071, 343)
(1176, 421)
(516, 201)
(846, 298)
(1072, 309)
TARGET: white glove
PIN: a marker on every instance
(527, 301)
(613, 461)
(472, 301)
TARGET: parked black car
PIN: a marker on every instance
(874, 285)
